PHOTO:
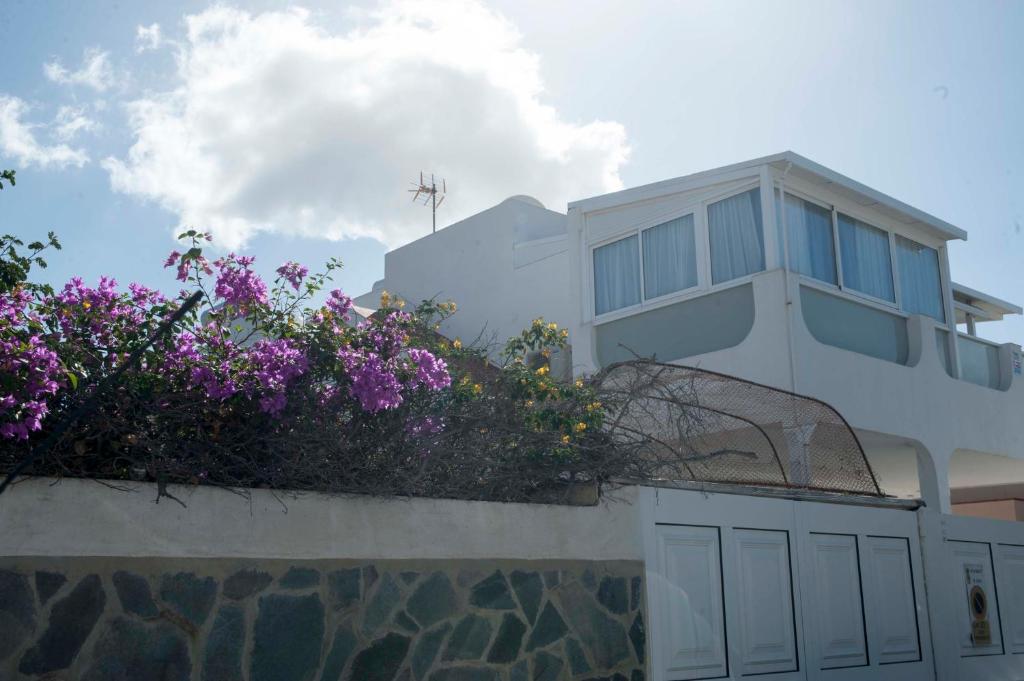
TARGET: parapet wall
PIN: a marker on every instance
(98, 584)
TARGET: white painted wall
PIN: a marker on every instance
(503, 267)
(86, 518)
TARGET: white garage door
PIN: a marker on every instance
(745, 586)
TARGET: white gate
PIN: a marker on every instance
(975, 573)
(742, 586)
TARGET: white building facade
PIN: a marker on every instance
(777, 270)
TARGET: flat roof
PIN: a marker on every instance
(983, 306)
(799, 166)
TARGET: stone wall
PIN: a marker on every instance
(172, 619)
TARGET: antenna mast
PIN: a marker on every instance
(429, 194)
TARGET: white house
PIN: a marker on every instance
(776, 270)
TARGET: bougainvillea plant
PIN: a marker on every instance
(281, 384)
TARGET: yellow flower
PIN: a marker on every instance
(579, 382)
(552, 326)
(457, 344)
(399, 303)
(385, 298)
(477, 388)
(565, 439)
(593, 406)
(529, 403)
(543, 371)
(564, 333)
(86, 304)
(545, 352)
(451, 306)
(538, 322)
(580, 427)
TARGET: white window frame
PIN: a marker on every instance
(637, 230)
(796, 193)
(895, 307)
(699, 209)
(722, 196)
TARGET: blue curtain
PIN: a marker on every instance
(867, 266)
(616, 275)
(920, 284)
(737, 236)
(811, 248)
(670, 257)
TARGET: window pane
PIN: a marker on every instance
(670, 257)
(737, 239)
(920, 287)
(616, 275)
(811, 248)
(866, 261)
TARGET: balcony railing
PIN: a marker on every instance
(979, 361)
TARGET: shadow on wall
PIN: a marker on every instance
(412, 620)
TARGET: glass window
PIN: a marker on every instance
(867, 264)
(736, 235)
(920, 284)
(811, 247)
(670, 257)
(616, 275)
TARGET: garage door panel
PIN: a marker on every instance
(693, 626)
(891, 593)
(837, 604)
(765, 602)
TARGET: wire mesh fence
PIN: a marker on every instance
(685, 423)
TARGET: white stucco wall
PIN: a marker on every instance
(503, 267)
(86, 518)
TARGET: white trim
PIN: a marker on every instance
(942, 229)
(1003, 306)
(853, 296)
(670, 298)
(894, 272)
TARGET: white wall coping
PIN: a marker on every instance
(45, 517)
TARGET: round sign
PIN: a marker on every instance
(979, 603)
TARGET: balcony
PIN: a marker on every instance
(889, 373)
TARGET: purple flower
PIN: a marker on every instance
(293, 273)
(339, 304)
(237, 285)
(373, 383)
(431, 371)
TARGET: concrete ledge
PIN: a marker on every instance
(45, 517)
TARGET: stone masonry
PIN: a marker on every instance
(129, 619)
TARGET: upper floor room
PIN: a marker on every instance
(862, 263)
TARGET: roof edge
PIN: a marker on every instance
(602, 201)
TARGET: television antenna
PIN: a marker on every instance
(429, 194)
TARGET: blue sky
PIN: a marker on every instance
(293, 134)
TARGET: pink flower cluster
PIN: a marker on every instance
(380, 374)
(293, 273)
(237, 285)
(30, 372)
(84, 331)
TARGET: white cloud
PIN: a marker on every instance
(95, 71)
(18, 139)
(70, 121)
(278, 124)
(147, 38)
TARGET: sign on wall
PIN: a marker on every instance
(977, 604)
